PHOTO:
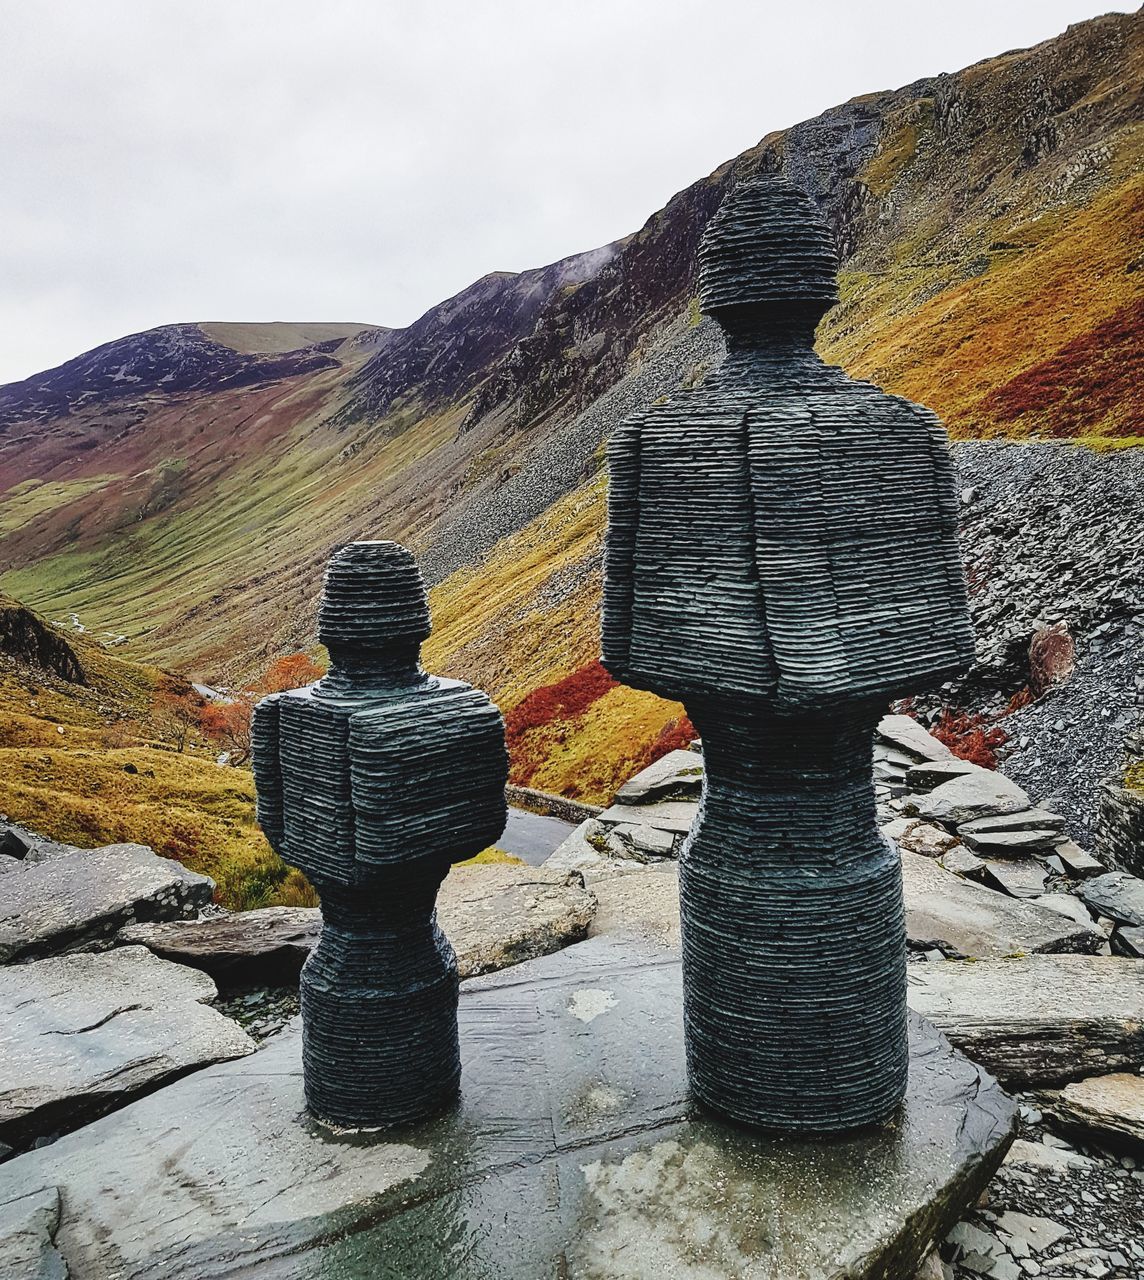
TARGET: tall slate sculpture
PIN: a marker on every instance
(373, 781)
(781, 557)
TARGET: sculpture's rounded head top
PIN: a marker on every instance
(374, 598)
(768, 245)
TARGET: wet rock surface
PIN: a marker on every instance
(573, 1151)
(81, 1034)
(80, 898)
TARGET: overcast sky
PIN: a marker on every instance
(360, 160)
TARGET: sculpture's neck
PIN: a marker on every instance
(770, 344)
(362, 672)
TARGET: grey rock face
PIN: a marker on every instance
(605, 1169)
(1110, 1106)
(236, 948)
(83, 897)
(81, 1034)
(372, 782)
(28, 1224)
(979, 793)
(742, 577)
(1117, 895)
(1039, 1020)
(968, 920)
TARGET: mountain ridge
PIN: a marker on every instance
(989, 223)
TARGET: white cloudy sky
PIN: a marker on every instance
(168, 160)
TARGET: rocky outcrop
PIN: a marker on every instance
(78, 899)
(82, 1034)
(26, 636)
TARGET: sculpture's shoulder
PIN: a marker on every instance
(427, 774)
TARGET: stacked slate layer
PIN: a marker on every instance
(373, 781)
(782, 557)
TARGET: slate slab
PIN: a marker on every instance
(495, 915)
(1111, 1106)
(81, 899)
(978, 794)
(1078, 862)
(677, 775)
(1022, 820)
(667, 815)
(573, 1152)
(905, 733)
(1040, 1020)
(499, 915)
(1017, 879)
(1116, 894)
(965, 919)
(241, 948)
(80, 1034)
(1010, 844)
(930, 774)
(27, 1229)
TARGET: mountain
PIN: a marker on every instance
(183, 486)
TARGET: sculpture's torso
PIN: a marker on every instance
(784, 532)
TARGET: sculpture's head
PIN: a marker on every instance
(767, 255)
(374, 612)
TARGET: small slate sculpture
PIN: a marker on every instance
(373, 781)
(782, 558)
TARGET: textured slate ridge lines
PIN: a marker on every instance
(372, 782)
(760, 247)
(782, 557)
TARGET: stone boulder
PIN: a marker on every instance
(1110, 1107)
(81, 1034)
(82, 898)
(1039, 1020)
(1118, 895)
(498, 915)
(574, 1150)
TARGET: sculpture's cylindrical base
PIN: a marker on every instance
(793, 925)
(379, 1012)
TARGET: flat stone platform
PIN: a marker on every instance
(574, 1152)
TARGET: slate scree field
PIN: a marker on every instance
(781, 739)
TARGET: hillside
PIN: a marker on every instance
(182, 487)
(87, 757)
